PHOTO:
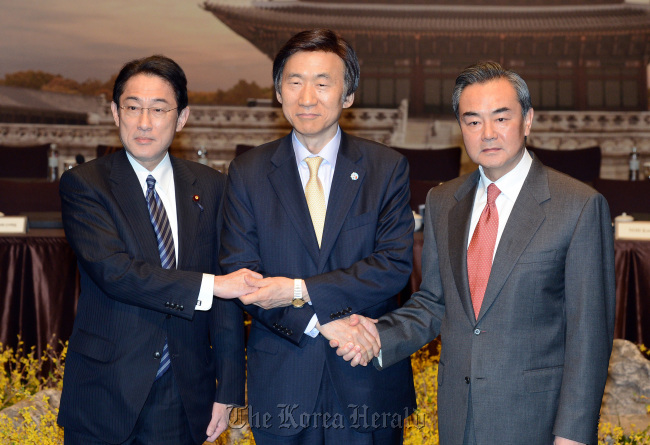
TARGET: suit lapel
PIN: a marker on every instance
(458, 227)
(342, 194)
(524, 221)
(129, 195)
(188, 213)
(285, 180)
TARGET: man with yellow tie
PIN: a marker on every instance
(325, 217)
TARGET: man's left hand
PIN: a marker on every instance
(272, 292)
(219, 422)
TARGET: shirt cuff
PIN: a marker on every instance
(379, 359)
(311, 326)
(204, 302)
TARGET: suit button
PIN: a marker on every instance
(167, 304)
(156, 355)
(275, 325)
(332, 316)
(349, 309)
(467, 380)
(181, 307)
(477, 331)
(289, 332)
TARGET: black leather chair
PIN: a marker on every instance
(582, 164)
(631, 197)
(419, 191)
(23, 162)
(432, 164)
(29, 195)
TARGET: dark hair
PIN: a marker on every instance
(156, 65)
(485, 71)
(319, 40)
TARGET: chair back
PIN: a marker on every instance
(582, 164)
(432, 164)
(631, 197)
(419, 191)
(23, 162)
(25, 195)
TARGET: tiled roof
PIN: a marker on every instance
(14, 97)
(436, 19)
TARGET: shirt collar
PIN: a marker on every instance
(163, 173)
(329, 152)
(511, 183)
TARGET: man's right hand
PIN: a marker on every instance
(356, 337)
(234, 284)
(352, 353)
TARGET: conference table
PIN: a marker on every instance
(39, 287)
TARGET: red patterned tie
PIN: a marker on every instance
(481, 249)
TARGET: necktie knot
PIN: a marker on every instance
(314, 164)
(493, 193)
(151, 182)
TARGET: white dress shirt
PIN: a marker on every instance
(164, 176)
(510, 185)
(325, 174)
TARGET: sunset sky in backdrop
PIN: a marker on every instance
(93, 39)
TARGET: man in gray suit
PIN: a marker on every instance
(518, 279)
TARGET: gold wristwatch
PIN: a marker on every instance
(297, 301)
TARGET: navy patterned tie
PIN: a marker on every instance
(163, 230)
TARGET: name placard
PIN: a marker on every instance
(13, 224)
(633, 230)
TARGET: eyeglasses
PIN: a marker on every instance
(154, 112)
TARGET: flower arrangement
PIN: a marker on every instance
(22, 375)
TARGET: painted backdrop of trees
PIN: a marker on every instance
(40, 80)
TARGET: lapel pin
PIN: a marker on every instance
(354, 176)
(196, 199)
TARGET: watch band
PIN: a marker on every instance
(297, 301)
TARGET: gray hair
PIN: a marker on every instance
(485, 71)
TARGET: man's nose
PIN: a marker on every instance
(307, 96)
(488, 131)
(144, 120)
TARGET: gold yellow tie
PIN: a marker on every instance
(315, 197)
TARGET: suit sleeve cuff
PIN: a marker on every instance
(311, 326)
(204, 301)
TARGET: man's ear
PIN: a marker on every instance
(116, 114)
(182, 118)
(528, 121)
(348, 101)
(278, 96)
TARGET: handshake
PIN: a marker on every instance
(355, 338)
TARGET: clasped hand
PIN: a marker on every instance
(234, 285)
(271, 292)
(356, 339)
